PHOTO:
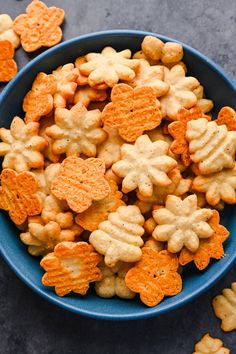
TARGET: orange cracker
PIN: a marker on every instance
(209, 248)
(79, 182)
(8, 67)
(227, 116)
(40, 26)
(154, 276)
(71, 267)
(99, 211)
(178, 129)
(39, 100)
(88, 94)
(132, 111)
(18, 195)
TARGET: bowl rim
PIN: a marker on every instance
(58, 301)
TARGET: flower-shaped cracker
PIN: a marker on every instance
(180, 93)
(181, 223)
(227, 116)
(113, 281)
(6, 31)
(79, 182)
(21, 146)
(99, 211)
(132, 111)
(109, 67)
(87, 94)
(8, 67)
(119, 237)
(151, 76)
(39, 27)
(44, 124)
(209, 345)
(178, 129)
(18, 195)
(66, 77)
(76, 131)
(45, 178)
(110, 150)
(143, 165)
(71, 267)
(154, 276)
(225, 308)
(208, 248)
(217, 186)
(41, 239)
(39, 100)
(212, 146)
(178, 187)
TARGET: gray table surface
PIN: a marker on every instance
(28, 324)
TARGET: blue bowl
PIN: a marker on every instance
(217, 87)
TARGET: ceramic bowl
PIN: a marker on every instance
(217, 86)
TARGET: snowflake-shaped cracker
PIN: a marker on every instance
(151, 76)
(225, 308)
(21, 146)
(180, 93)
(109, 67)
(71, 267)
(66, 77)
(219, 186)
(76, 131)
(181, 223)
(143, 165)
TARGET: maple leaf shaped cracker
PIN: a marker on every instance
(18, 195)
(39, 27)
(132, 111)
(8, 67)
(99, 210)
(154, 276)
(79, 182)
(39, 100)
(208, 248)
(71, 267)
(178, 129)
(227, 116)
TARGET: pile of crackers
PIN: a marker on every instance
(117, 172)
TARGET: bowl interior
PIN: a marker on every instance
(217, 87)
